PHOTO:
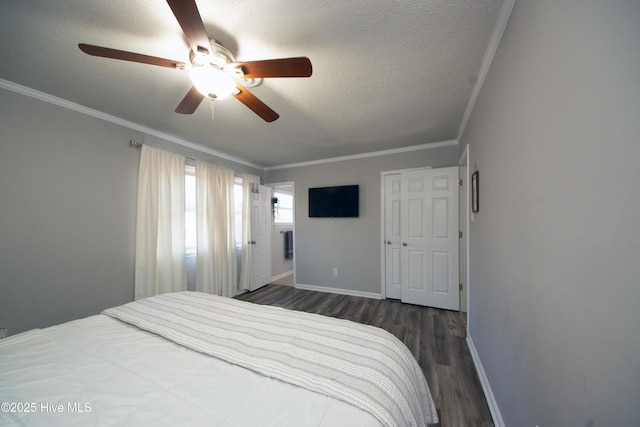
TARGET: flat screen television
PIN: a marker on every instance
(334, 202)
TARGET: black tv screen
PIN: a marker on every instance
(334, 202)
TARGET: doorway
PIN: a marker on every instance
(283, 234)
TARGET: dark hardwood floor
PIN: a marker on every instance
(435, 337)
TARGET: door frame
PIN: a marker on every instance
(465, 219)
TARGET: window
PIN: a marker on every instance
(190, 222)
(283, 215)
(237, 206)
(190, 227)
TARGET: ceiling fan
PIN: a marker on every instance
(213, 69)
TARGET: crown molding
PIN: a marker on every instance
(427, 146)
(45, 97)
(489, 54)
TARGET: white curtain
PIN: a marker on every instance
(160, 250)
(216, 263)
(248, 182)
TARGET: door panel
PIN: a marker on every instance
(429, 251)
(440, 218)
(395, 271)
(445, 241)
(392, 229)
(415, 218)
(260, 243)
(441, 283)
(416, 264)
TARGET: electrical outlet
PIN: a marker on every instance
(3, 333)
(335, 271)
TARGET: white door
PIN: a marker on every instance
(429, 237)
(260, 243)
(393, 285)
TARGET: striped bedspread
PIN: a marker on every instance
(362, 365)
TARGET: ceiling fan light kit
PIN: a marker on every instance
(212, 82)
(209, 75)
(213, 72)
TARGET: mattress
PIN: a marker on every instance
(103, 371)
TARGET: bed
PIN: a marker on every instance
(193, 359)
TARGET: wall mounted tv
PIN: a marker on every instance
(334, 202)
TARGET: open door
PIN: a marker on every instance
(429, 216)
(260, 241)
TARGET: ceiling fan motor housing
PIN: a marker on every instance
(218, 56)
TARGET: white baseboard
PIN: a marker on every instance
(486, 387)
(338, 291)
(280, 276)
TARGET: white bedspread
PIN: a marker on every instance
(359, 364)
(99, 371)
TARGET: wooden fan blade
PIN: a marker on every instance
(188, 16)
(257, 106)
(284, 67)
(106, 52)
(190, 102)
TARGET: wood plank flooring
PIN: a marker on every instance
(435, 337)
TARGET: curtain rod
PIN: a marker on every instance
(135, 144)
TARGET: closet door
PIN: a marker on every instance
(429, 237)
(392, 246)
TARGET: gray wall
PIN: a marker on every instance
(67, 214)
(555, 248)
(68, 186)
(352, 245)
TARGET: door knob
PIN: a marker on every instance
(252, 242)
(404, 243)
(388, 242)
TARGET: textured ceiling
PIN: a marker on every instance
(386, 74)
